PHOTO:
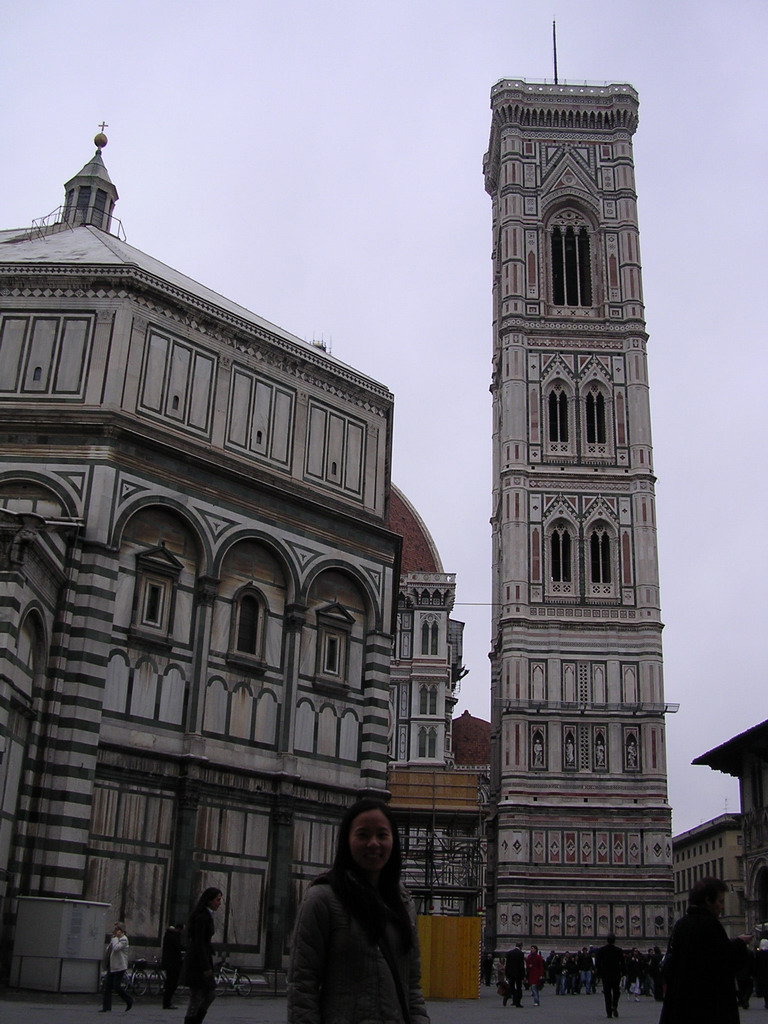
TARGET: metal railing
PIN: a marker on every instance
(55, 221)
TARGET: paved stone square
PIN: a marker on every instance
(29, 1008)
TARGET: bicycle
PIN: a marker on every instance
(155, 977)
(231, 978)
(136, 979)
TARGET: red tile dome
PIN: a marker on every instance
(419, 550)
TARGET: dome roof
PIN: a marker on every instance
(419, 550)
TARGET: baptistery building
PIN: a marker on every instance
(198, 589)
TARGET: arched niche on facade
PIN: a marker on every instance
(31, 654)
(29, 677)
(266, 718)
(26, 494)
(159, 565)
(349, 737)
(249, 610)
(26, 507)
(337, 622)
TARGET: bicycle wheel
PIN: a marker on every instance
(242, 984)
(221, 984)
(140, 983)
(156, 981)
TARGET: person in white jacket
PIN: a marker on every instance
(116, 956)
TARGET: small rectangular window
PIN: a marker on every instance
(156, 577)
(331, 655)
(332, 651)
(154, 600)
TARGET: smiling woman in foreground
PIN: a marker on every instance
(355, 952)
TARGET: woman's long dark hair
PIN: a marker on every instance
(370, 905)
(204, 899)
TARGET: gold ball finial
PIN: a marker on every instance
(100, 140)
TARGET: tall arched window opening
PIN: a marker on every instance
(427, 742)
(600, 556)
(247, 625)
(429, 637)
(428, 700)
(560, 555)
(571, 266)
(425, 638)
(595, 409)
(558, 415)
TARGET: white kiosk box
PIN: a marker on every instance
(59, 944)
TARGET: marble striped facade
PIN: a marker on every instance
(197, 595)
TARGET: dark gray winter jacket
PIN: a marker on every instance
(337, 977)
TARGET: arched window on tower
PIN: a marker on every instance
(560, 555)
(600, 555)
(425, 638)
(558, 414)
(430, 633)
(595, 413)
(571, 262)
(427, 742)
(428, 700)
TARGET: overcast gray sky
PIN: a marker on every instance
(320, 163)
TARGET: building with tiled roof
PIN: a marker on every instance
(471, 740)
(745, 757)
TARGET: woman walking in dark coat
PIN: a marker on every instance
(198, 962)
(172, 957)
(702, 962)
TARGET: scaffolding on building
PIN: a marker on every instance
(440, 813)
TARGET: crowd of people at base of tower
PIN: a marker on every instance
(579, 972)
(702, 978)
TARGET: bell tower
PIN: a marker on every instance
(581, 839)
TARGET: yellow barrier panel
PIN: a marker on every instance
(450, 956)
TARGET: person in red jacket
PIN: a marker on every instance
(535, 972)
